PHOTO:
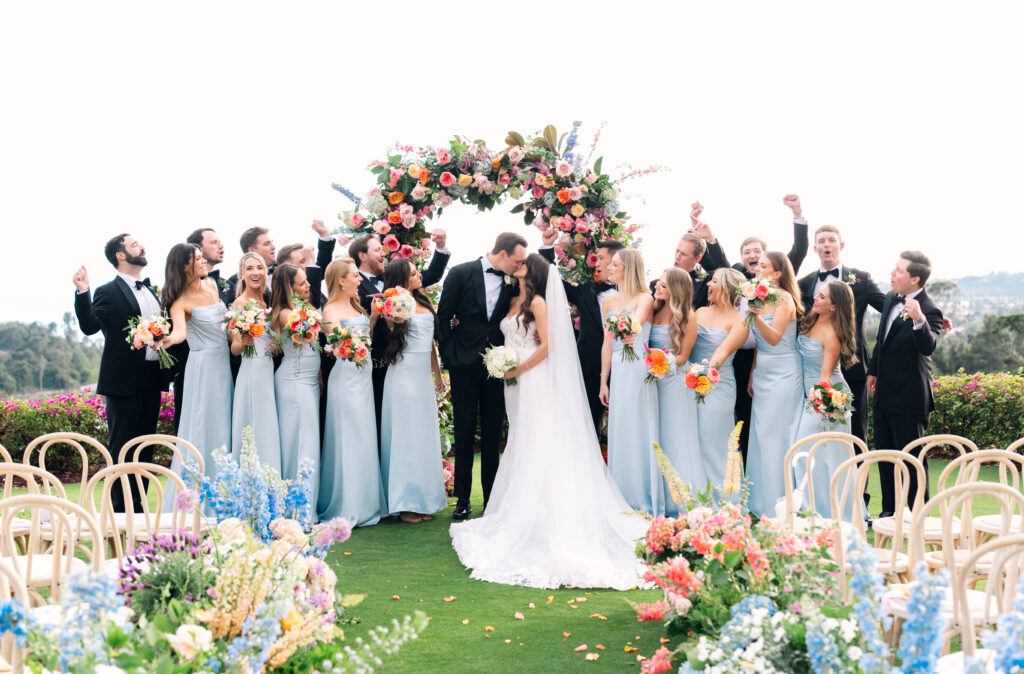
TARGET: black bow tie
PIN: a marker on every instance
(822, 275)
(601, 286)
(143, 282)
(496, 272)
(214, 274)
(374, 279)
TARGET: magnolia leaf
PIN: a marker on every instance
(579, 249)
(560, 141)
(597, 165)
(377, 169)
(529, 217)
(551, 136)
(540, 142)
(518, 208)
(515, 138)
(479, 142)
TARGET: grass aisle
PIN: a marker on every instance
(416, 564)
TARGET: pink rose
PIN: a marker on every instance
(396, 175)
(538, 192)
(564, 224)
(409, 221)
(447, 179)
(381, 227)
(374, 192)
(391, 243)
(563, 169)
(137, 341)
(575, 193)
(541, 224)
(515, 154)
(444, 200)
(592, 260)
(591, 179)
(425, 244)
(405, 251)
(762, 292)
(419, 193)
(443, 157)
(582, 227)
(504, 179)
(713, 375)
(357, 221)
(405, 210)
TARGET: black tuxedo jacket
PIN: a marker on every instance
(433, 273)
(796, 254)
(865, 294)
(122, 368)
(902, 360)
(465, 298)
(591, 333)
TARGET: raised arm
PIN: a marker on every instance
(324, 245)
(439, 261)
(91, 313)
(799, 250)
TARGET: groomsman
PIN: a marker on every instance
(828, 244)
(257, 240)
(475, 298)
(130, 380)
(699, 254)
(588, 297)
(369, 257)
(302, 257)
(899, 372)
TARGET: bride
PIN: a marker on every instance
(555, 516)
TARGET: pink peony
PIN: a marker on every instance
(405, 251)
(504, 179)
(515, 154)
(592, 260)
(357, 221)
(761, 292)
(418, 193)
(443, 157)
(447, 179)
(409, 221)
(575, 193)
(591, 179)
(564, 224)
(425, 244)
(563, 169)
(582, 227)
(405, 210)
(391, 243)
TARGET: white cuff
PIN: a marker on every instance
(799, 221)
(918, 326)
(326, 238)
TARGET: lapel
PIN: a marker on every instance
(477, 278)
(129, 296)
(504, 298)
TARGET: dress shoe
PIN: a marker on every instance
(461, 511)
(885, 513)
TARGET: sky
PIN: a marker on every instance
(900, 123)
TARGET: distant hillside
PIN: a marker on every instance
(999, 283)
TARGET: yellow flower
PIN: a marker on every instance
(703, 385)
(660, 368)
(465, 180)
(577, 210)
(414, 171)
(290, 620)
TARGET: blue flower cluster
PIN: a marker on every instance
(572, 140)
(867, 584)
(348, 193)
(89, 601)
(736, 634)
(14, 620)
(922, 639)
(1007, 641)
(822, 649)
(259, 633)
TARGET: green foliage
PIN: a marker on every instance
(997, 347)
(986, 408)
(37, 357)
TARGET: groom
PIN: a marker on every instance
(475, 298)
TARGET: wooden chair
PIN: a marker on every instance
(76, 440)
(12, 588)
(130, 526)
(1016, 446)
(810, 446)
(853, 475)
(133, 448)
(69, 523)
(968, 467)
(37, 481)
(5, 456)
(1007, 564)
(884, 526)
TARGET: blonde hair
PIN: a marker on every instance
(337, 270)
(680, 304)
(633, 273)
(729, 281)
(241, 266)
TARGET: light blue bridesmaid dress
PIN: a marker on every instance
(410, 459)
(350, 484)
(206, 397)
(298, 413)
(778, 389)
(256, 406)
(633, 429)
(826, 457)
(715, 417)
(677, 415)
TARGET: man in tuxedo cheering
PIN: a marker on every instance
(130, 380)
(369, 258)
(828, 244)
(475, 298)
(900, 370)
(587, 298)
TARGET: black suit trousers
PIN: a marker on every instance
(896, 431)
(859, 400)
(128, 417)
(472, 393)
(378, 376)
(742, 364)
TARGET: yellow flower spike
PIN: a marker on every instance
(290, 620)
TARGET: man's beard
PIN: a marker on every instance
(136, 260)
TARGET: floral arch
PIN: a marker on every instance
(547, 174)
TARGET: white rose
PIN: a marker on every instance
(855, 653)
(190, 640)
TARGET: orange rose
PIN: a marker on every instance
(395, 218)
(657, 356)
(424, 177)
(395, 198)
(496, 163)
(256, 330)
(155, 330)
(390, 292)
(563, 195)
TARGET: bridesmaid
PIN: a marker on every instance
(296, 383)
(828, 342)
(410, 442)
(350, 484)
(720, 332)
(632, 403)
(197, 314)
(255, 405)
(777, 386)
(674, 329)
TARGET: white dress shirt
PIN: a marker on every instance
(897, 309)
(492, 285)
(818, 283)
(378, 284)
(149, 306)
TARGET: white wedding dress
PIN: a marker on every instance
(555, 516)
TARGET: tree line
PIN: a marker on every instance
(38, 357)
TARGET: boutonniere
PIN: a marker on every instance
(852, 279)
(509, 280)
(699, 273)
(222, 284)
(156, 289)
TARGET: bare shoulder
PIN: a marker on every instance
(538, 304)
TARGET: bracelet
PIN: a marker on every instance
(604, 374)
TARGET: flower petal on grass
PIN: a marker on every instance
(519, 616)
(592, 656)
(449, 599)
(580, 648)
(598, 616)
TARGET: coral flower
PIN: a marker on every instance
(395, 197)
(395, 218)
(563, 195)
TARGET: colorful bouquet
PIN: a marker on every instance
(659, 364)
(303, 324)
(701, 377)
(249, 319)
(759, 293)
(622, 324)
(351, 344)
(145, 332)
(396, 304)
(500, 359)
(831, 402)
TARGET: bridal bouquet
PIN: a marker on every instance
(622, 324)
(303, 324)
(759, 293)
(352, 344)
(659, 364)
(500, 359)
(145, 332)
(249, 319)
(701, 378)
(395, 303)
(830, 401)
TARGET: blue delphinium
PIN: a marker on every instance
(347, 192)
(570, 143)
(259, 633)
(1007, 640)
(14, 620)
(868, 585)
(736, 634)
(922, 638)
(822, 649)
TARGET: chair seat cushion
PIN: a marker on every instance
(42, 567)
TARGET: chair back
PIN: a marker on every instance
(967, 468)
(132, 450)
(67, 520)
(1006, 555)
(136, 527)
(809, 445)
(76, 440)
(922, 446)
(37, 480)
(12, 588)
(5, 456)
(1016, 446)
